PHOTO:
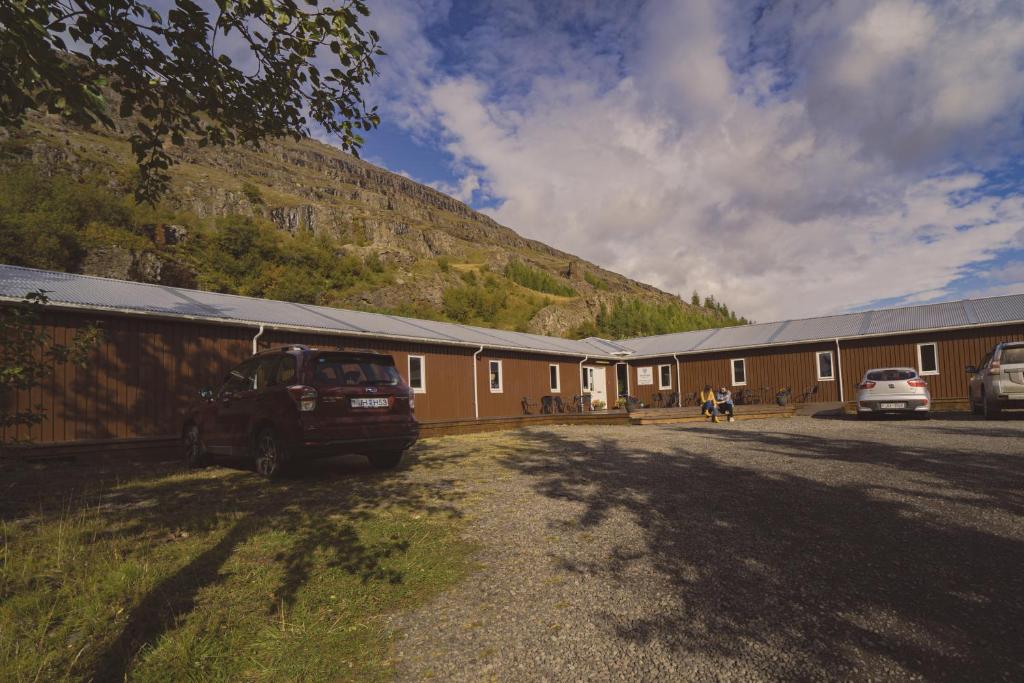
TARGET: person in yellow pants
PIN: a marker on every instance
(709, 406)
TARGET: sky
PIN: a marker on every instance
(791, 158)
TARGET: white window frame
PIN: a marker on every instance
(832, 365)
(501, 377)
(423, 374)
(920, 366)
(732, 371)
(669, 385)
(587, 380)
(557, 389)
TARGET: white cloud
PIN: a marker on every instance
(798, 162)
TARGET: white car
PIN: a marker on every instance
(893, 390)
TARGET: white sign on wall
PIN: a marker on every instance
(645, 376)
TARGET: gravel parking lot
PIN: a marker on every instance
(787, 548)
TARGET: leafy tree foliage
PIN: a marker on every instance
(175, 74)
(639, 318)
(28, 356)
(536, 280)
(476, 302)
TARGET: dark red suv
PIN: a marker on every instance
(299, 401)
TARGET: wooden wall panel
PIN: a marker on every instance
(146, 372)
(956, 349)
(768, 371)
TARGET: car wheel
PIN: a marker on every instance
(270, 458)
(192, 448)
(386, 460)
(992, 410)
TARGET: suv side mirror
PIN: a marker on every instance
(206, 394)
(971, 370)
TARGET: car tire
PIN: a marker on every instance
(991, 409)
(386, 460)
(975, 408)
(269, 456)
(192, 448)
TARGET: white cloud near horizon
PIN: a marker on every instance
(799, 160)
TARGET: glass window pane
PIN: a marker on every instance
(739, 371)
(553, 380)
(286, 370)
(825, 365)
(415, 372)
(495, 374)
(928, 361)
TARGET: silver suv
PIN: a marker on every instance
(998, 383)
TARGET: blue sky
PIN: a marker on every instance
(790, 158)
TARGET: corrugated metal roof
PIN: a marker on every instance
(104, 293)
(994, 310)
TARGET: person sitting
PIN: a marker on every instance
(725, 404)
(708, 404)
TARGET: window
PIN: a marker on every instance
(286, 371)
(739, 372)
(588, 380)
(266, 371)
(495, 376)
(825, 371)
(337, 370)
(928, 358)
(664, 376)
(240, 379)
(891, 375)
(554, 380)
(417, 374)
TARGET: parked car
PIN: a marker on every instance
(893, 390)
(998, 382)
(296, 402)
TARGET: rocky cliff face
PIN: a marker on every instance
(308, 187)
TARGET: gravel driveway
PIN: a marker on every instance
(789, 548)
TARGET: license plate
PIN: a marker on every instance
(890, 406)
(369, 403)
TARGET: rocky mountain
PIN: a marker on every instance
(407, 247)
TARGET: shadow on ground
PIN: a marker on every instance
(153, 503)
(803, 577)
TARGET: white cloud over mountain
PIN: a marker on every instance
(791, 160)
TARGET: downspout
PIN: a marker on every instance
(839, 369)
(259, 334)
(679, 378)
(476, 389)
(585, 359)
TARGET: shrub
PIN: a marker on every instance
(536, 280)
(595, 281)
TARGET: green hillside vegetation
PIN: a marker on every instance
(594, 281)
(638, 318)
(70, 215)
(537, 280)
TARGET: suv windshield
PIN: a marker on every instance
(891, 375)
(1012, 355)
(338, 370)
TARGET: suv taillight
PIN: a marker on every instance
(305, 397)
(995, 368)
(866, 385)
(917, 383)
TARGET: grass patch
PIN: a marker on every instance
(155, 574)
(537, 280)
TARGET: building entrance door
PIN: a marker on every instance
(595, 383)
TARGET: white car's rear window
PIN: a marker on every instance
(891, 375)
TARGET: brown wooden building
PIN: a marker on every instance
(162, 344)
